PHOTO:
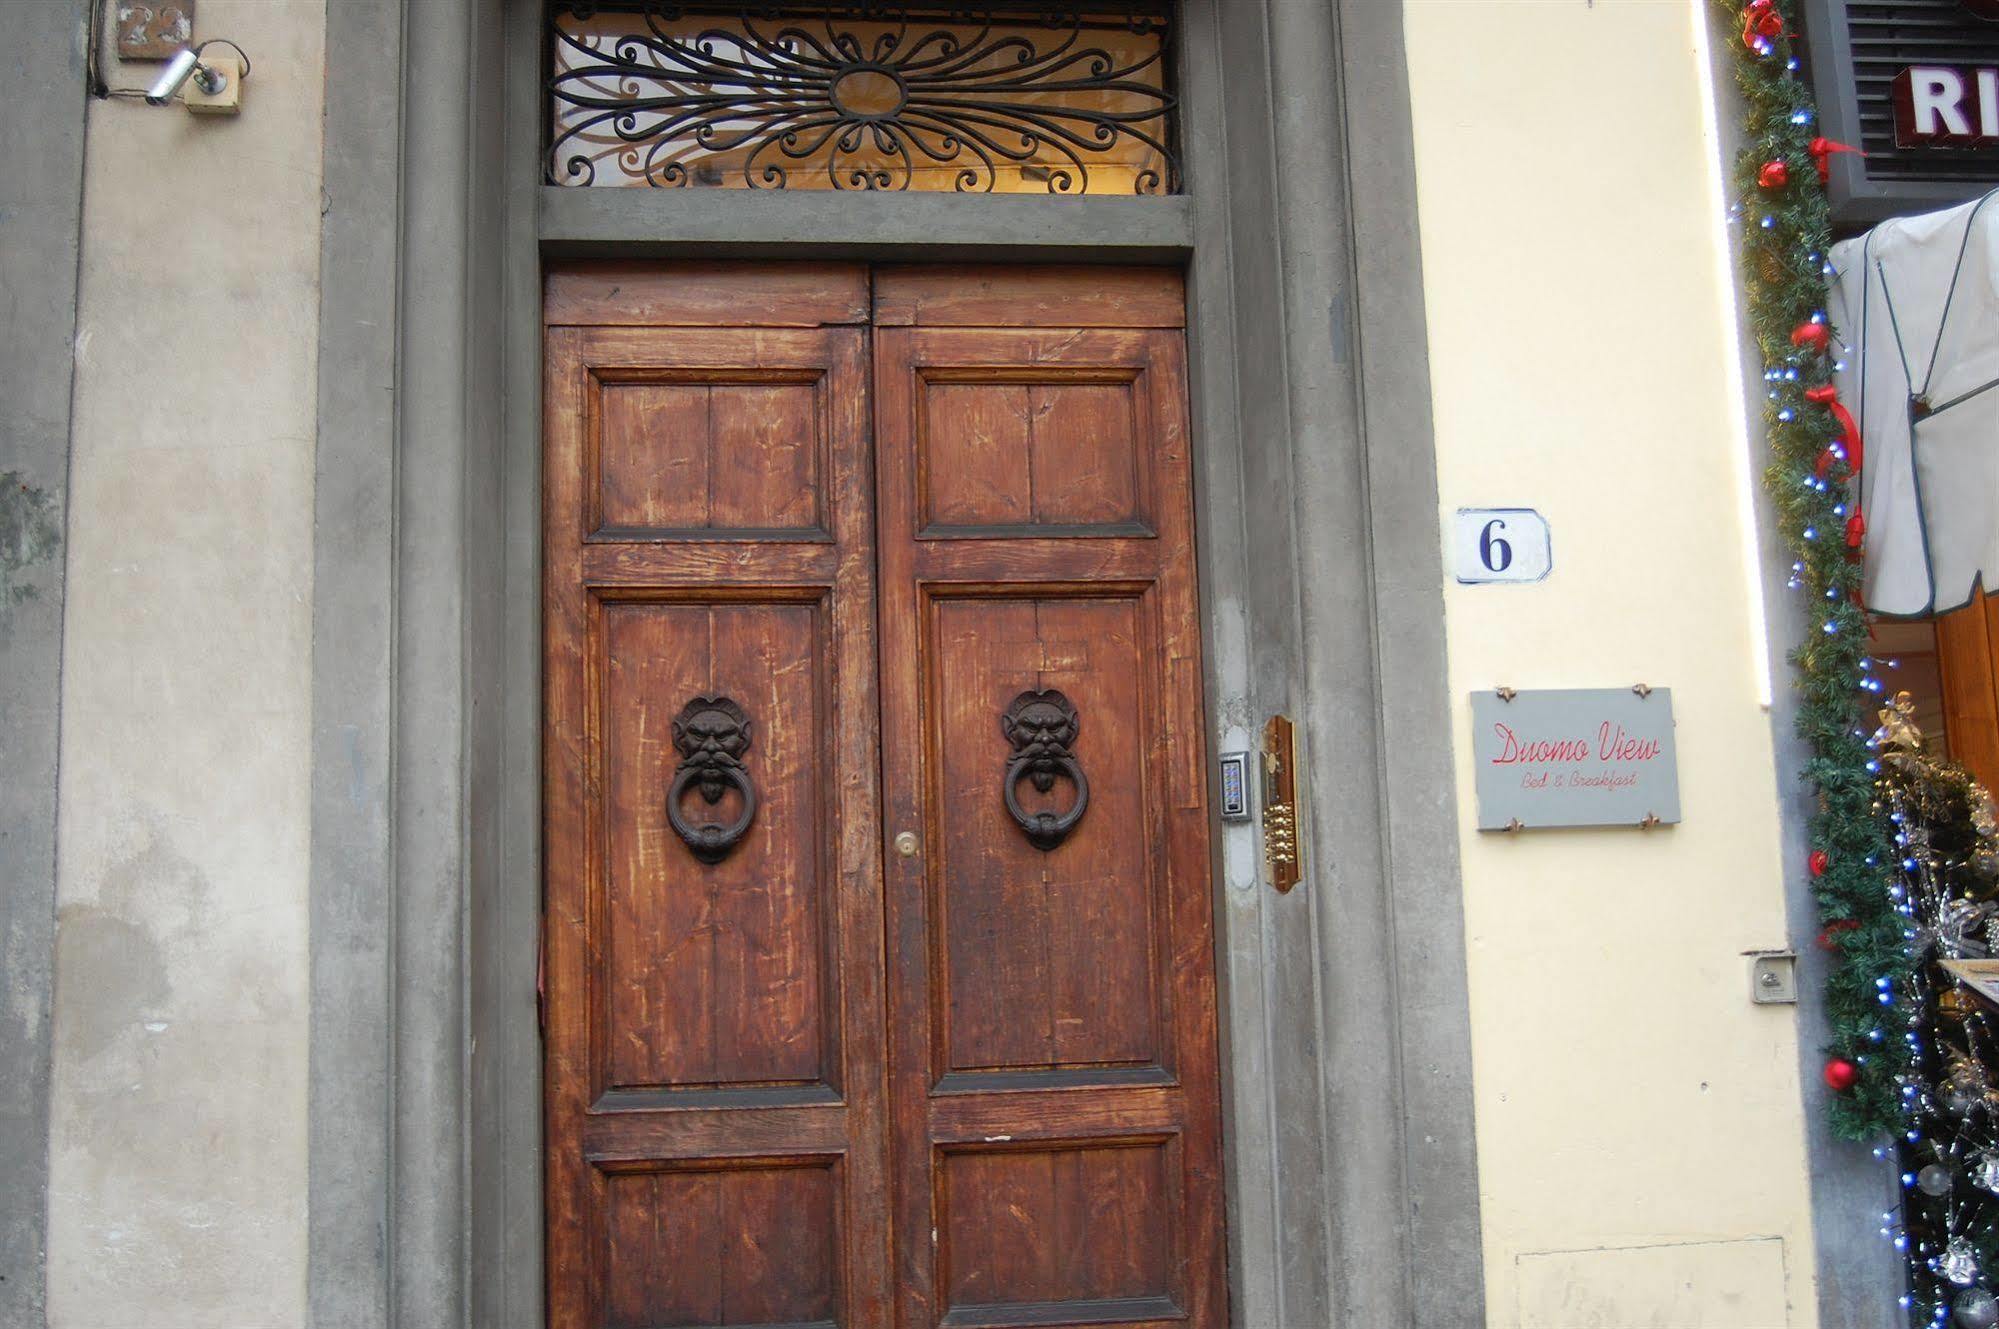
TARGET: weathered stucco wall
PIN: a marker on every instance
(1640, 1137)
(177, 1155)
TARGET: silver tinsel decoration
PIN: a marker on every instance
(1975, 1309)
(1958, 1262)
(1963, 1089)
(1959, 924)
(1986, 1172)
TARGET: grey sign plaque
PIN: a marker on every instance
(1575, 757)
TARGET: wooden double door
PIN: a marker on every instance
(879, 948)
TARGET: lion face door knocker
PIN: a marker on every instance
(1042, 727)
(712, 734)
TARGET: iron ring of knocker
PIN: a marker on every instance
(1042, 727)
(712, 734)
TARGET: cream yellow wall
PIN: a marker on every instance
(1640, 1135)
(178, 1137)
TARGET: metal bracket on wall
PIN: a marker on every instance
(1773, 978)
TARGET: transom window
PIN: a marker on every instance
(868, 96)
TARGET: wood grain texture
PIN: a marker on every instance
(814, 1083)
(770, 1234)
(1970, 683)
(1078, 1223)
(1017, 297)
(1050, 1009)
(717, 436)
(635, 293)
(1046, 960)
(742, 942)
(1047, 448)
(710, 455)
(715, 1112)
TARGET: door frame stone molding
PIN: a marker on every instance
(41, 198)
(1353, 1197)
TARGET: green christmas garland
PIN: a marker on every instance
(1785, 230)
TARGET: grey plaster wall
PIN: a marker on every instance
(1313, 392)
(351, 1058)
(41, 194)
(177, 1142)
(945, 227)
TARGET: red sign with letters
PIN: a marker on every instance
(1946, 106)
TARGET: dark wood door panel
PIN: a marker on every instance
(1058, 453)
(711, 451)
(1053, 1234)
(716, 1124)
(1052, 1036)
(813, 1074)
(1056, 296)
(644, 294)
(1043, 961)
(721, 434)
(745, 943)
(1036, 432)
(770, 1230)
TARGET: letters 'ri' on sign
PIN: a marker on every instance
(1500, 544)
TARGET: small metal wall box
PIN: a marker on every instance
(1235, 786)
(227, 99)
(1281, 854)
(1773, 978)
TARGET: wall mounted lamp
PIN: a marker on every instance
(207, 84)
(217, 85)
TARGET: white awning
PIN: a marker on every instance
(1915, 312)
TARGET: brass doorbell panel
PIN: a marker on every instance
(1281, 854)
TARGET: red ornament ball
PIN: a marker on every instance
(1819, 862)
(1841, 1075)
(1813, 337)
(1829, 934)
(1774, 175)
(1856, 531)
(1761, 24)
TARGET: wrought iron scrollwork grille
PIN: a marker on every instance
(868, 96)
